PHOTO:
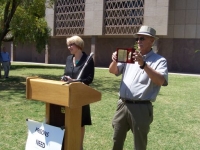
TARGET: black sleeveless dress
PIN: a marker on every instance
(86, 77)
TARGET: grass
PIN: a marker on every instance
(176, 111)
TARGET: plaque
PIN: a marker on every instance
(125, 55)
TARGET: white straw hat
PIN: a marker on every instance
(146, 30)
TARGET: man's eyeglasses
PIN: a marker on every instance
(141, 39)
(71, 44)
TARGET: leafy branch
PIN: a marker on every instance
(197, 51)
(23, 21)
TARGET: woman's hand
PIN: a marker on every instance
(69, 79)
(66, 78)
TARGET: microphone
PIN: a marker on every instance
(88, 59)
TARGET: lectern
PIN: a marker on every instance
(70, 97)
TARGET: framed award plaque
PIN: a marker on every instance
(125, 55)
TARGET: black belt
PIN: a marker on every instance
(135, 102)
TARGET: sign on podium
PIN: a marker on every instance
(63, 103)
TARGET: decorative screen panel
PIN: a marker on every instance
(123, 17)
(69, 17)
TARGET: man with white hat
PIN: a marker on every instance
(140, 85)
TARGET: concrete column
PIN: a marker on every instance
(49, 16)
(156, 15)
(93, 46)
(46, 54)
(94, 10)
(12, 52)
(155, 46)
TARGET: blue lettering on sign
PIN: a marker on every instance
(40, 143)
(42, 132)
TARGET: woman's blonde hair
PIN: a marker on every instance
(78, 41)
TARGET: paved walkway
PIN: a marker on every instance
(32, 63)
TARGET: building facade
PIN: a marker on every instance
(106, 25)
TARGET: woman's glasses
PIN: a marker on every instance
(141, 39)
(71, 44)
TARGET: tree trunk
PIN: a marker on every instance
(0, 70)
(0, 56)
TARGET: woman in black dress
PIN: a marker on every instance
(74, 64)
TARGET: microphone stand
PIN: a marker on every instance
(91, 54)
(79, 75)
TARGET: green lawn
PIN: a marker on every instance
(176, 111)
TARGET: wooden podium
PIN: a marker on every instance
(63, 100)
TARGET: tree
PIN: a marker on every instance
(23, 21)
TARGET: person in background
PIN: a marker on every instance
(5, 59)
(140, 85)
(74, 65)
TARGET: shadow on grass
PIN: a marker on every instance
(14, 88)
(106, 85)
(17, 84)
(12, 83)
(49, 77)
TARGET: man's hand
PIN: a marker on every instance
(114, 56)
(113, 66)
(137, 56)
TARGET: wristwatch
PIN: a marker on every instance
(144, 64)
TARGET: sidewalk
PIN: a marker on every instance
(43, 64)
(188, 74)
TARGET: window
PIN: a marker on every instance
(123, 17)
(69, 17)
